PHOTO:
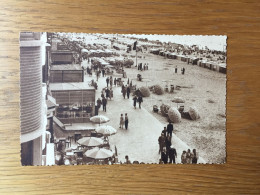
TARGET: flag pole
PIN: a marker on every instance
(136, 53)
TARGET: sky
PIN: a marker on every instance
(211, 41)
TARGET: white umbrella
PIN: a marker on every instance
(99, 153)
(106, 130)
(99, 119)
(90, 141)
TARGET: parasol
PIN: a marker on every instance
(106, 130)
(99, 119)
(99, 153)
(90, 141)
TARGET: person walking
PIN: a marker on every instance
(176, 69)
(168, 143)
(188, 157)
(128, 91)
(172, 155)
(121, 123)
(169, 129)
(194, 157)
(115, 81)
(111, 93)
(164, 131)
(97, 74)
(161, 142)
(124, 91)
(126, 121)
(107, 80)
(140, 100)
(164, 156)
(111, 82)
(183, 157)
(103, 72)
(99, 102)
(135, 100)
(104, 103)
(107, 93)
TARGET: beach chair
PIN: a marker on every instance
(155, 108)
(181, 109)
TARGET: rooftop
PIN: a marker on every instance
(70, 86)
(66, 67)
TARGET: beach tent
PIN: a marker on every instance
(222, 68)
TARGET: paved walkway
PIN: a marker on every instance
(140, 141)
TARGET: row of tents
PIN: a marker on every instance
(212, 65)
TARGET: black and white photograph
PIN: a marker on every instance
(104, 99)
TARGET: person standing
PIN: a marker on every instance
(97, 73)
(115, 81)
(161, 142)
(140, 100)
(194, 157)
(121, 123)
(124, 91)
(128, 91)
(188, 157)
(111, 93)
(99, 102)
(107, 80)
(164, 156)
(135, 100)
(107, 93)
(104, 103)
(103, 72)
(183, 157)
(169, 129)
(164, 131)
(127, 161)
(111, 81)
(168, 143)
(126, 121)
(176, 69)
(172, 155)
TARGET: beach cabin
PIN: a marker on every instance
(155, 51)
(222, 68)
(161, 53)
(172, 55)
(182, 58)
(76, 102)
(66, 73)
(208, 65)
(193, 60)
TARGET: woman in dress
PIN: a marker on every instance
(183, 157)
(188, 156)
(121, 124)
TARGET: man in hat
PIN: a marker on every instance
(107, 80)
(169, 129)
(104, 103)
(161, 142)
(128, 91)
(172, 155)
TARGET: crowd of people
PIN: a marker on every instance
(168, 151)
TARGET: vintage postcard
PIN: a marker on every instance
(122, 99)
